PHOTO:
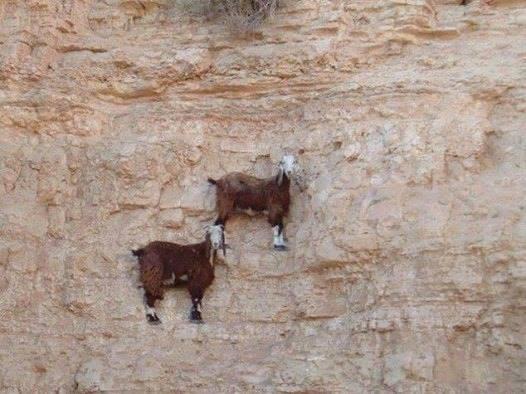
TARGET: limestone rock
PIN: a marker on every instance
(406, 263)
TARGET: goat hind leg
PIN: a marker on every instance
(196, 316)
(151, 316)
(278, 236)
(279, 241)
(197, 295)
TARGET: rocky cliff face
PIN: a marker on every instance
(407, 263)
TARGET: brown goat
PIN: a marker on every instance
(166, 261)
(237, 191)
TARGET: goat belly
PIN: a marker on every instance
(250, 206)
(179, 273)
(175, 280)
(252, 212)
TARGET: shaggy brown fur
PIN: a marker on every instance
(237, 191)
(241, 191)
(160, 261)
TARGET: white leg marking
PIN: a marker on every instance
(275, 231)
(281, 240)
(150, 311)
(197, 304)
(184, 277)
(278, 238)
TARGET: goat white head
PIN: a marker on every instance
(217, 236)
(288, 166)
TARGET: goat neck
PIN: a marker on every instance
(210, 252)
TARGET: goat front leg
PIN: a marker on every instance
(276, 221)
(279, 241)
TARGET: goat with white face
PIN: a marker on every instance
(160, 262)
(240, 192)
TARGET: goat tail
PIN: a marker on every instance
(212, 181)
(138, 252)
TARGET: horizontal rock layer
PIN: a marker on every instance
(407, 262)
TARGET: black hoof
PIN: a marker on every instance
(197, 321)
(153, 319)
(280, 248)
(195, 317)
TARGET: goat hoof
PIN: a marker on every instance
(280, 248)
(197, 321)
(195, 317)
(153, 319)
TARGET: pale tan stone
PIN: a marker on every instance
(406, 262)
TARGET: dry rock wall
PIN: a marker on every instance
(407, 263)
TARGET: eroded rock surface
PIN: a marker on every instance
(407, 263)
